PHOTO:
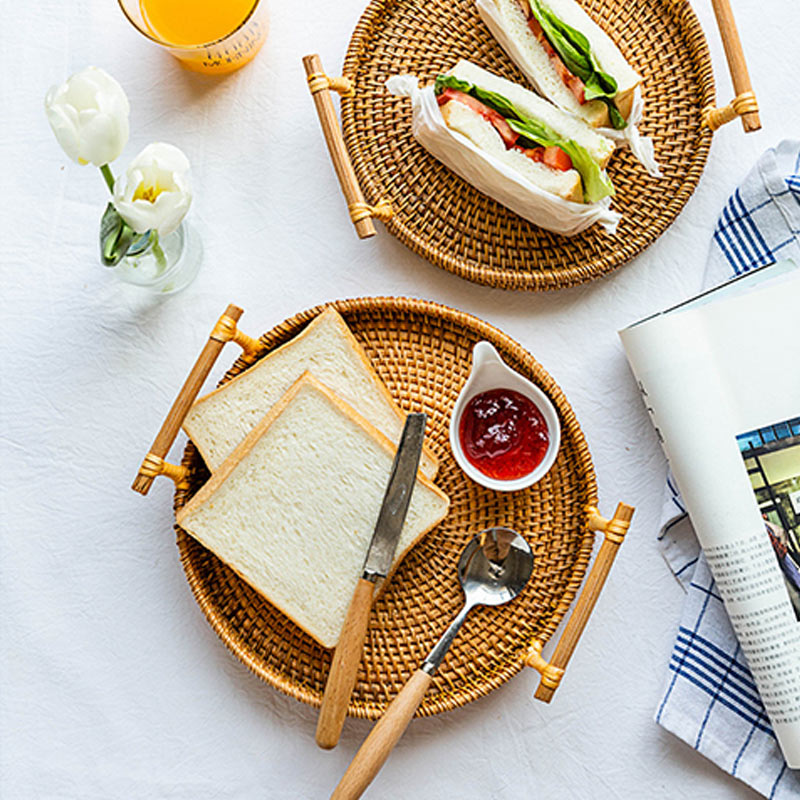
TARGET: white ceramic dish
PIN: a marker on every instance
(489, 371)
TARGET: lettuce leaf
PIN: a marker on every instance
(596, 184)
(576, 53)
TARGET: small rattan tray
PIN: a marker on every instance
(422, 351)
(386, 174)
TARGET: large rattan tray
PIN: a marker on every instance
(443, 218)
(422, 351)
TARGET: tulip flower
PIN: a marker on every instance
(89, 116)
(154, 194)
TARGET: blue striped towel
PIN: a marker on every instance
(710, 699)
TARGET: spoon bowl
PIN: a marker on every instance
(493, 569)
(495, 566)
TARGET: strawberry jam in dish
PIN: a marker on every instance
(503, 434)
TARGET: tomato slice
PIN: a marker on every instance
(489, 114)
(553, 157)
(534, 153)
(571, 81)
(556, 158)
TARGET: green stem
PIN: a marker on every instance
(158, 251)
(106, 170)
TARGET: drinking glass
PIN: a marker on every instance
(211, 36)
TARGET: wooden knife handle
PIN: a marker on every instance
(344, 668)
(382, 738)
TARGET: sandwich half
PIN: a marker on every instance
(570, 59)
(552, 149)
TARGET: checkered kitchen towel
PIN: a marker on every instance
(710, 699)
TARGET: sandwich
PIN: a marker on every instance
(552, 150)
(567, 57)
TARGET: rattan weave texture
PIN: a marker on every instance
(422, 351)
(445, 220)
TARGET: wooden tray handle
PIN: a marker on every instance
(320, 85)
(153, 465)
(552, 671)
(744, 105)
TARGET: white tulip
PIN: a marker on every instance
(154, 192)
(89, 116)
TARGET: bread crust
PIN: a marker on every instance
(595, 113)
(326, 313)
(216, 480)
(624, 101)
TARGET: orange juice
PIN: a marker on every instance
(228, 33)
(194, 22)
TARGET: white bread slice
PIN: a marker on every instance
(533, 60)
(326, 347)
(458, 117)
(293, 509)
(599, 147)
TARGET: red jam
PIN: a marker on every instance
(503, 434)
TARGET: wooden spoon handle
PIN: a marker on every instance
(344, 668)
(382, 738)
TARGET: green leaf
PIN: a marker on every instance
(443, 82)
(575, 51)
(600, 85)
(618, 122)
(116, 236)
(596, 184)
(534, 133)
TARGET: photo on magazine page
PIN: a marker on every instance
(772, 457)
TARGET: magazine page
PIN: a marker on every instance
(714, 373)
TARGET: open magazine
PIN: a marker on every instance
(720, 376)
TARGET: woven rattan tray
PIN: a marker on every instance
(422, 351)
(443, 218)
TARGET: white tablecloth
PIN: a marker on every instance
(112, 684)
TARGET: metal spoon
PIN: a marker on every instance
(493, 569)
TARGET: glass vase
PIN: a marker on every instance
(162, 265)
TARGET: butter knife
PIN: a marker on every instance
(378, 562)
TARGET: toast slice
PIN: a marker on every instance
(217, 422)
(293, 508)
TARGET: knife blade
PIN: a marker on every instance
(396, 499)
(378, 562)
